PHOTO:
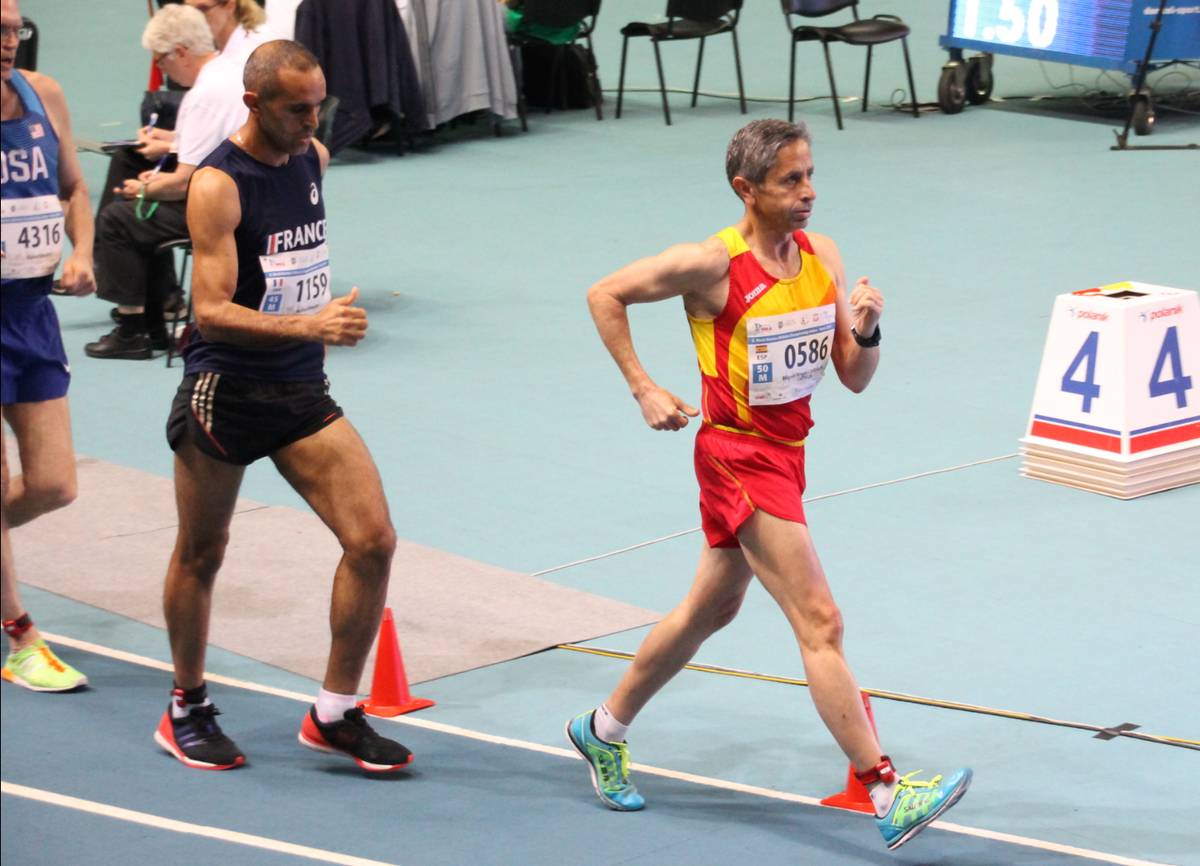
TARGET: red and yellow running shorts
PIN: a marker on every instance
(739, 473)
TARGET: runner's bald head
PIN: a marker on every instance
(262, 72)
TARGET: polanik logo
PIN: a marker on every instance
(313, 195)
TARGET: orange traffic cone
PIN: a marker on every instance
(389, 687)
(856, 796)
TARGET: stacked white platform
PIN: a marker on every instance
(1117, 405)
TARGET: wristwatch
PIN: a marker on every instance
(866, 342)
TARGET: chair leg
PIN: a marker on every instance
(555, 76)
(792, 85)
(621, 80)
(518, 65)
(594, 80)
(172, 345)
(912, 88)
(837, 108)
(699, 62)
(737, 64)
(662, 82)
(593, 83)
(867, 80)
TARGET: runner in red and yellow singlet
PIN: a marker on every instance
(769, 311)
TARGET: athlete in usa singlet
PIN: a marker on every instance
(33, 231)
(33, 363)
(761, 358)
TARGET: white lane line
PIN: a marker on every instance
(807, 500)
(563, 752)
(161, 823)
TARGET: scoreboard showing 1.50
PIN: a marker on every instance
(1091, 28)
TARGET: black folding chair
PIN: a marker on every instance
(867, 32)
(556, 13)
(686, 19)
(152, 300)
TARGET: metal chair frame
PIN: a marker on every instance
(680, 13)
(825, 35)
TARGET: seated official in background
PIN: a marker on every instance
(150, 207)
(234, 25)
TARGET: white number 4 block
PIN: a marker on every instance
(1117, 405)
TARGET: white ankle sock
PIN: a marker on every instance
(882, 795)
(608, 727)
(179, 704)
(331, 707)
(179, 711)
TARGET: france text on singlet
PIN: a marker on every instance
(282, 260)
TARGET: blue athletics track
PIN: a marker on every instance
(1033, 622)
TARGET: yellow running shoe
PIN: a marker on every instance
(37, 668)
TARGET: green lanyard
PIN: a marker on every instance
(141, 202)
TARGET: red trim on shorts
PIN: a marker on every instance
(211, 438)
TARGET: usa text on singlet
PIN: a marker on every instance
(31, 215)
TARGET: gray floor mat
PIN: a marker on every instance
(110, 549)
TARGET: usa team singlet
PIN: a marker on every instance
(33, 231)
(33, 363)
(763, 356)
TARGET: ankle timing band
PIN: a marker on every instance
(17, 627)
(881, 772)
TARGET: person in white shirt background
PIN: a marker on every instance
(149, 209)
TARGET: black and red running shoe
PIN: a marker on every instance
(197, 740)
(353, 737)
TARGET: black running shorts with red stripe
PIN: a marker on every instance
(238, 420)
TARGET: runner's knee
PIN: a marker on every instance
(202, 557)
(821, 625)
(712, 617)
(50, 494)
(725, 612)
(370, 546)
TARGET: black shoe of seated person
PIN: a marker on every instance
(121, 344)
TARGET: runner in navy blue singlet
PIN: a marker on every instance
(254, 386)
(43, 203)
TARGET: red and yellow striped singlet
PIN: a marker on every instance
(761, 358)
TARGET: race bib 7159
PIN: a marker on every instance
(297, 282)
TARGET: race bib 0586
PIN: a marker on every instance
(787, 354)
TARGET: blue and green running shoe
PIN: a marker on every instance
(609, 765)
(919, 803)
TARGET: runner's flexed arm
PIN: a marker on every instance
(696, 272)
(214, 211)
(854, 362)
(78, 276)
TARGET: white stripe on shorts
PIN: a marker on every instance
(202, 399)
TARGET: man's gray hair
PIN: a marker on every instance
(756, 145)
(178, 25)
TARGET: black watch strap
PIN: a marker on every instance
(867, 342)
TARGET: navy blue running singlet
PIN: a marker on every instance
(283, 264)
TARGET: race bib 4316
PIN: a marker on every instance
(31, 233)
